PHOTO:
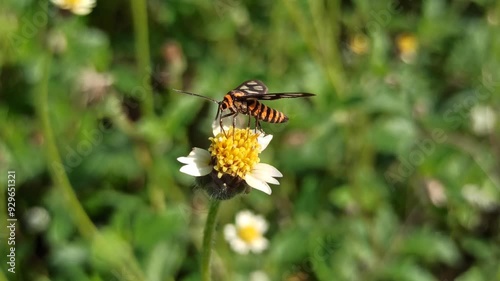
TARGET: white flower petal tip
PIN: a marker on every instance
(264, 141)
(259, 245)
(196, 155)
(258, 184)
(263, 168)
(197, 163)
(195, 171)
(244, 218)
(261, 175)
(216, 128)
(227, 123)
(230, 232)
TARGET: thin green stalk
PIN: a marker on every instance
(85, 226)
(327, 35)
(321, 34)
(207, 240)
(82, 221)
(140, 17)
(145, 92)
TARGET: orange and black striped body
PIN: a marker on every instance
(265, 113)
(245, 99)
(232, 101)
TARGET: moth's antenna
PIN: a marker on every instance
(196, 95)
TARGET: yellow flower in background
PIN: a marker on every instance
(231, 160)
(407, 45)
(359, 44)
(247, 234)
(77, 7)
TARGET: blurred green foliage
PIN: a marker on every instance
(390, 173)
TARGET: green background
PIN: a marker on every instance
(378, 167)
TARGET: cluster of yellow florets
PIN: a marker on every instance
(235, 153)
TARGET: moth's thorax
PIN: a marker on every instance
(231, 101)
(237, 94)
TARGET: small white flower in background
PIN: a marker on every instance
(233, 157)
(93, 85)
(37, 219)
(483, 119)
(57, 41)
(481, 197)
(259, 276)
(436, 192)
(77, 7)
(247, 234)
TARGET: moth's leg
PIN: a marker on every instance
(232, 113)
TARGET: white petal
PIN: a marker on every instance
(257, 184)
(186, 160)
(259, 245)
(197, 155)
(197, 163)
(216, 127)
(264, 141)
(240, 246)
(196, 170)
(263, 176)
(266, 173)
(244, 218)
(261, 224)
(230, 232)
(227, 123)
(261, 168)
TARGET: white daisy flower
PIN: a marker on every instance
(77, 7)
(232, 158)
(483, 119)
(247, 234)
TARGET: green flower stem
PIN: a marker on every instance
(207, 240)
(85, 226)
(145, 156)
(83, 222)
(140, 18)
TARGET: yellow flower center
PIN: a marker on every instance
(236, 153)
(248, 233)
(69, 4)
(359, 44)
(407, 43)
